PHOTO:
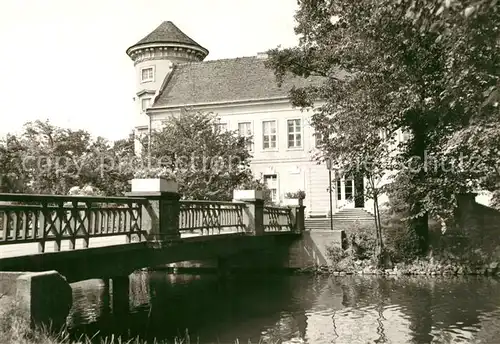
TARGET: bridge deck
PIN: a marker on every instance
(122, 259)
(16, 250)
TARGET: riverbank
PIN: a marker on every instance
(451, 252)
(16, 330)
(419, 267)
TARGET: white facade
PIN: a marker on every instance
(283, 149)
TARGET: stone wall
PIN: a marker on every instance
(301, 252)
(311, 250)
(476, 227)
(39, 297)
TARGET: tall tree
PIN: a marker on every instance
(48, 159)
(426, 67)
(12, 177)
(207, 161)
(51, 156)
(109, 166)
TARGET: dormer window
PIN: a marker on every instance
(147, 74)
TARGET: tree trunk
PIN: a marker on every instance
(379, 224)
(419, 224)
(379, 249)
(420, 227)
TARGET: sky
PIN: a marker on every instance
(65, 61)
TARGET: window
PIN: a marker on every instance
(269, 134)
(147, 74)
(383, 134)
(317, 140)
(271, 181)
(349, 190)
(294, 133)
(245, 130)
(145, 103)
(221, 127)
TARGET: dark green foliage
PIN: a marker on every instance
(336, 255)
(495, 199)
(429, 68)
(298, 194)
(256, 184)
(208, 163)
(12, 178)
(402, 243)
(362, 241)
(46, 159)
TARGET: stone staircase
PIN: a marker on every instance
(343, 219)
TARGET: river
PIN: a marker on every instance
(296, 309)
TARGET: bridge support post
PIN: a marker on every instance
(160, 216)
(253, 216)
(120, 300)
(106, 299)
(298, 216)
(43, 298)
(223, 267)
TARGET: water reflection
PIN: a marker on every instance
(297, 309)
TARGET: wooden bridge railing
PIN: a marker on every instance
(277, 219)
(48, 218)
(65, 219)
(209, 217)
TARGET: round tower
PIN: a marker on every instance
(153, 57)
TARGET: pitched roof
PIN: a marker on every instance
(167, 32)
(239, 79)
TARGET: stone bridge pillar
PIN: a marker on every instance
(160, 216)
(253, 215)
(298, 217)
(120, 300)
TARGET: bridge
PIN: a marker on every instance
(48, 241)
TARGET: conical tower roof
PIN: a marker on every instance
(167, 33)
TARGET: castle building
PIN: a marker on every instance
(171, 75)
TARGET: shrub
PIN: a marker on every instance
(340, 259)
(154, 172)
(362, 240)
(87, 190)
(257, 184)
(495, 200)
(401, 243)
(336, 254)
(298, 194)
